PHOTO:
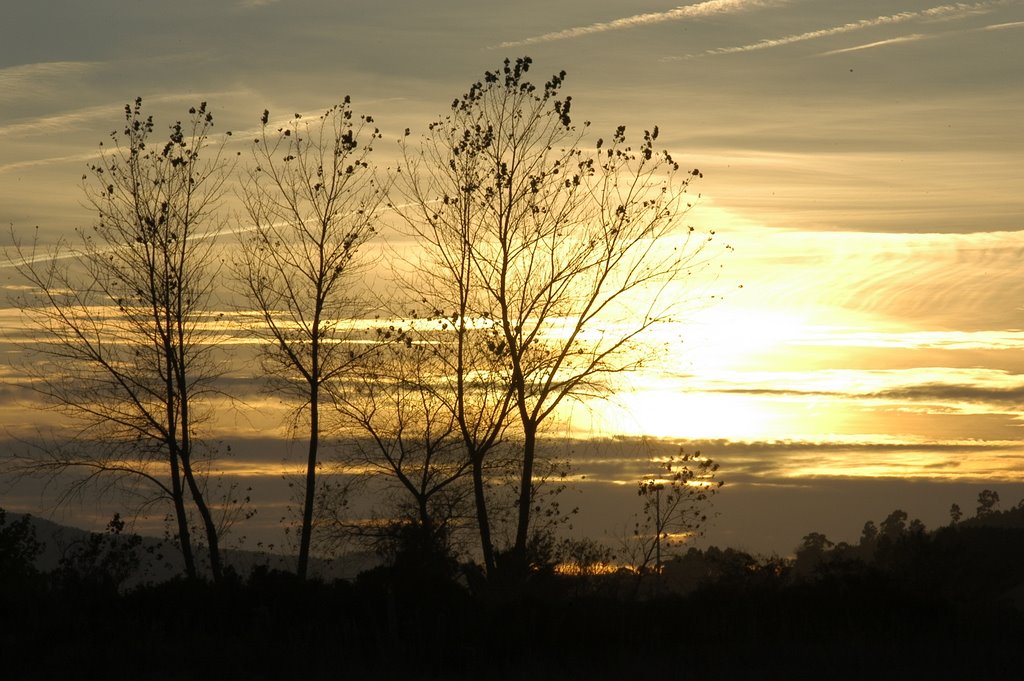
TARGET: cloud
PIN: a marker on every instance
(32, 80)
(701, 9)
(915, 340)
(940, 12)
(965, 384)
(37, 162)
(913, 37)
(927, 392)
(625, 449)
(44, 125)
(88, 116)
(955, 393)
(623, 461)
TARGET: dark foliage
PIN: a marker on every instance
(18, 551)
(102, 563)
(935, 604)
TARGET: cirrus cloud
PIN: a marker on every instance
(952, 11)
(701, 9)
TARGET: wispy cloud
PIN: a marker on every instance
(941, 12)
(1009, 24)
(913, 37)
(89, 115)
(50, 160)
(945, 392)
(918, 340)
(701, 9)
(29, 80)
(46, 124)
(949, 382)
(775, 461)
(929, 392)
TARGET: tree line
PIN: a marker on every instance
(901, 599)
(540, 260)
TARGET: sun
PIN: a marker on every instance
(697, 382)
(684, 414)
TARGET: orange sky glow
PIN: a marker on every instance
(863, 162)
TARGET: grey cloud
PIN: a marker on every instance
(956, 393)
(757, 510)
(925, 392)
(627, 459)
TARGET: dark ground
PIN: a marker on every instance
(907, 604)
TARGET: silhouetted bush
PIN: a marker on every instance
(18, 551)
(938, 604)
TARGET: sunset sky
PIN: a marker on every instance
(861, 348)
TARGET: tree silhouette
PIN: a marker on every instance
(812, 552)
(406, 436)
(894, 526)
(19, 548)
(988, 500)
(103, 562)
(310, 201)
(561, 258)
(955, 514)
(125, 315)
(674, 508)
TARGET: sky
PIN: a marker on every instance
(860, 347)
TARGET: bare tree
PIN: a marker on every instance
(310, 201)
(569, 256)
(406, 437)
(455, 324)
(125, 315)
(674, 508)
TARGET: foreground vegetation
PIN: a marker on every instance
(946, 602)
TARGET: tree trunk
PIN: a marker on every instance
(212, 542)
(306, 535)
(184, 536)
(482, 521)
(525, 493)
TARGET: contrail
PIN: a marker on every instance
(701, 9)
(913, 37)
(920, 36)
(949, 11)
(999, 27)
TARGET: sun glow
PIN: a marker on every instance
(669, 398)
(668, 413)
(728, 336)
